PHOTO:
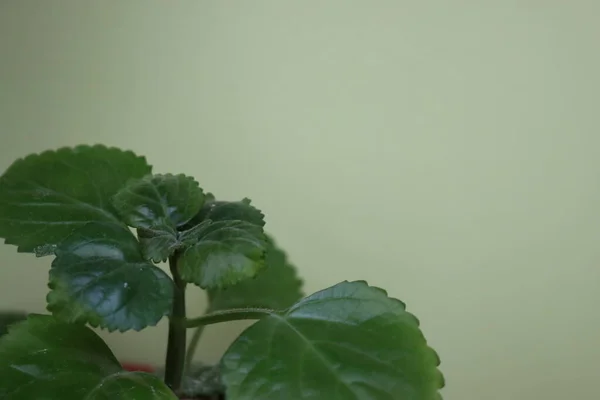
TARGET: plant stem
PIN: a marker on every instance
(233, 314)
(175, 361)
(215, 317)
(192, 347)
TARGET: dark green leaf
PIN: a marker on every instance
(226, 252)
(229, 211)
(157, 205)
(158, 244)
(45, 197)
(192, 235)
(100, 277)
(42, 358)
(159, 200)
(227, 241)
(276, 287)
(348, 342)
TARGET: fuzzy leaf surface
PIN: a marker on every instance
(157, 205)
(45, 197)
(229, 245)
(229, 211)
(348, 342)
(226, 253)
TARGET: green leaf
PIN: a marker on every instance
(42, 358)
(100, 277)
(158, 200)
(229, 211)
(348, 342)
(157, 205)
(226, 252)
(158, 244)
(45, 197)
(276, 287)
(228, 244)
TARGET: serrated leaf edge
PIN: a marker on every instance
(432, 352)
(65, 149)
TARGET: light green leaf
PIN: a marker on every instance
(99, 277)
(276, 287)
(348, 342)
(226, 252)
(45, 197)
(42, 358)
(157, 205)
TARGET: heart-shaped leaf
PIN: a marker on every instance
(45, 197)
(276, 287)
(348, 342)
(100, 277)
(157, 205)
(42, 358)
(226, 253)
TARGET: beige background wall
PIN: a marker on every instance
(447, 151)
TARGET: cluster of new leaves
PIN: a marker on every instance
(350, 341)
(79, 205)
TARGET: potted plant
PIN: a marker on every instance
(108, 220)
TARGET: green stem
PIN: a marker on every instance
(215, 317)
(233, 314)
(192, 347)
(175, 361)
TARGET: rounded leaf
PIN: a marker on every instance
(228, 211)
(159, 200)
(226, 252)
(157, 205)
(42, 358)
(99, 277)
(348, 342)
(45, 197)
(276, 286)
